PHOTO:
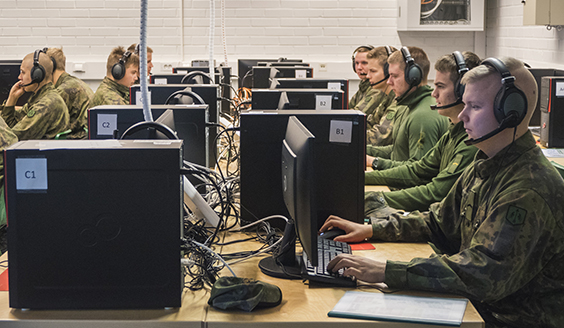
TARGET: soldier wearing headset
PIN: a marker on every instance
(45, 114)
(417, 128)
(359, 63)
(498, 235)
(379, 107)
(429, 179)
(122, 70)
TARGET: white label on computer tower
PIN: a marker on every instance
(107, 123)
(301, 74)
(334, 85)
(559, 89)
(341, 131)
(323, 101)
(139, 99)
(161, 81)
(31, 173)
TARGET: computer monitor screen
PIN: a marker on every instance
(298, 183)
(320, 99)
(281, 64)
(312, 83)
(244, 67)
(263, 75)
(9, 72)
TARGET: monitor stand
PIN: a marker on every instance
(284, 263)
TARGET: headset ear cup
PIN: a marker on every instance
(37, 73)
(118, 71)
(413, 75)
(459, 89)
(386, 70)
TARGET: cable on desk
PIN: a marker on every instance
(201, 264)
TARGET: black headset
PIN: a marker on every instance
(190, 78)
(118, 70)
(510, 104)
(386, 65)
(462, 69)
(37, 72)
(369, 47)
(413, 73)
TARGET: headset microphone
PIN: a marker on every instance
(502, 126)
(382, 80)
(459, 101)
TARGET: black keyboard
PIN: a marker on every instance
(326, 251)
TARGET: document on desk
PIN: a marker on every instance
(378, 306)
(553, 152)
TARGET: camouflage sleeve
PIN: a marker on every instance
(381, 134)
(508, 250)
(11, 115)
(369, 104)
(44, 119)
(7, 137)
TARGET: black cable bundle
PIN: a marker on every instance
(202, 266)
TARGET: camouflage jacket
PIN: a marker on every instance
(417, 128)
(429, 179)
(110, 93)
(43, 116)
(77, 96)
(379, 126)
(498, 237)
(363, 87)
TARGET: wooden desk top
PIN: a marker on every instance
(302, 305)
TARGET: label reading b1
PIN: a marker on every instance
(31, 174)
(340, 131)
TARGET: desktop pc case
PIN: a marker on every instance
(189, 124)
(552, 111)
(339, 164)
(94, 224)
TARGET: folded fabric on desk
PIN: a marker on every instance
(244, 294)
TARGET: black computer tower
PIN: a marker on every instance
(94, 224)
(552, 111)
(189, 124)
(339, 163)
(538, 73)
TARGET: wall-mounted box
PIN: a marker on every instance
(543, 12)
(440, 15)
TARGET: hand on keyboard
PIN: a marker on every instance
(360, 267)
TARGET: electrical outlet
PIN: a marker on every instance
(167, 67)
(323, 67)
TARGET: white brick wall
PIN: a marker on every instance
(318, 31)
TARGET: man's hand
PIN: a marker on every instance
(369, 160)
(360, 267)
(355, 232)
(15, 93)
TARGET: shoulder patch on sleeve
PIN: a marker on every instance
(390, 115)
(516, 215)
(30, 113)
(454, 164)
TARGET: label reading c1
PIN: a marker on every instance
(340, 131)
(31, 174)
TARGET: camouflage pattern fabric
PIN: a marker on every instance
(363, 87)
(110, 93)
(77, 96)
(379, 133)
(498, 236)
(43, 117)
(7, 138)
(370, 101)
(429, 179)
(243, 294)
(416, 130)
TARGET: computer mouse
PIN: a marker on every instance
(331, 234)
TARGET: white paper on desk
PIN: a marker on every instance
(378, 306)
(553, 152)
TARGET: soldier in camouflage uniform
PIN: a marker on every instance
(429, 179)
(416, 128)
(75, 93)
(359, 67)
(45, 114)
(499, 233)
(114, 89)
(7, 138)
(378, 105)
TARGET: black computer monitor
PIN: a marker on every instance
(312, 83)
(299, 190)
(321, 99)
(244, 67)
(285, 63)
(263, 75)
(9, 72)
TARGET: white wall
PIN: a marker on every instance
(318, 31)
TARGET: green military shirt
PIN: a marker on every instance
(7, 138)
(77, 96)
(498, 236)
(110, 93)
(417, 128)
(43, 116)
(427, 180)
(363, 87)
(379, 126)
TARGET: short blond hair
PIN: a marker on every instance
(58, 57)
(115, 56)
